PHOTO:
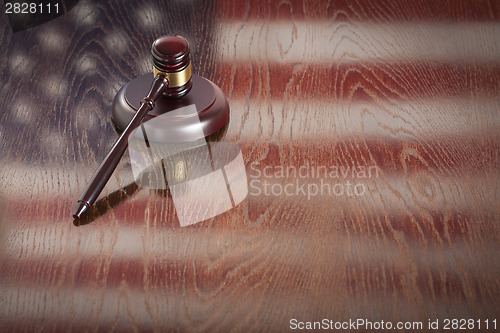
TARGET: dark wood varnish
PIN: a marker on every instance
(411, 90)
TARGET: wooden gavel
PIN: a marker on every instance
(173, 86)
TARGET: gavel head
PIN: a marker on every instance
(171, 59)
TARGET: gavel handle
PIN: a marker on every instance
(108, 165)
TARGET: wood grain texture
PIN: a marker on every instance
(411, 90)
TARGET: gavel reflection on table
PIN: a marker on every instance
(173, 87)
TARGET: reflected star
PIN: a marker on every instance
(51, 40)
(23, 112)
(149, 16)
(55, 87)
(116, 42)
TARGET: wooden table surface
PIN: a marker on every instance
(408, 91)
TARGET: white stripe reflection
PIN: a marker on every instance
(158, 308)
(400, 120)
(331, 42)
